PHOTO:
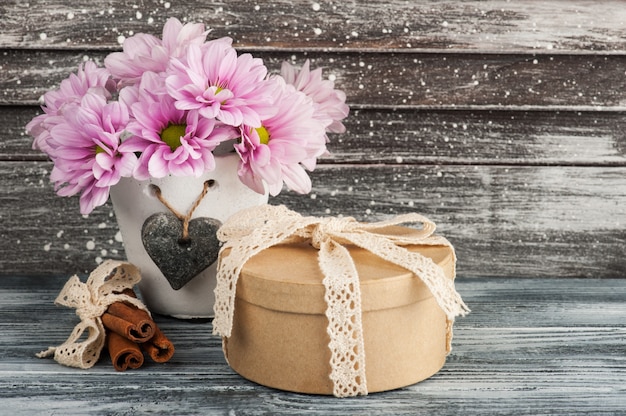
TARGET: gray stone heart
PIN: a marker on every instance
(180, 261)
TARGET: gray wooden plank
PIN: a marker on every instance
(16, 143)
(547, 221)
(497, 137)
(392, 80)
(493, 25)
(434, 137)
(528, 347)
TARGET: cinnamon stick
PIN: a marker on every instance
(159, 347)
(129, 322)
(124, 352)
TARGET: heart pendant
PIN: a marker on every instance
(180, 260)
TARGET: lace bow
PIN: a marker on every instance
(253, 230)
(91, 300)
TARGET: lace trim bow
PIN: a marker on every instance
(91, 300)
(251, 231)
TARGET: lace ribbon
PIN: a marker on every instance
(251, 231)
(91, 300)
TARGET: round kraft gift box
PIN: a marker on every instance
(279, 336)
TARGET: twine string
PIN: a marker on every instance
(186, 217)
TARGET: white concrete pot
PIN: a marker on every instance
(134, 201)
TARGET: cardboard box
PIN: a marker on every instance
(279, 336)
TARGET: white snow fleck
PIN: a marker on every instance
(121, 39)
(317, 31)
(47, 247)
(91, 245)
(138, 15)
(167, 5)
(43, 36)
(316, 7)
(70, 15)
(118, 237)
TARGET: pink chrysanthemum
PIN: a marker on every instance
(88, 79)
(172, 141)
(215, 82)
(330, 104)
(179, 98)
(143, 52)
(275, 152)
(86, 148)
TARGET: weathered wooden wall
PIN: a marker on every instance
(501, 121)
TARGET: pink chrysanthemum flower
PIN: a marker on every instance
(330, 104)
(143, 52)
(163, 106)
(275, 152)
(172, 141)
(88, 79)
(86, 148)
(217, 83)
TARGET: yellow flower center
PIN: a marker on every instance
(219, 88)
(264, 135)
(99, 150)
(171, 135)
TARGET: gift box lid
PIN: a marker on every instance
(288, 278)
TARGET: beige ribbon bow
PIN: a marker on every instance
(253, 230)
(91, 300)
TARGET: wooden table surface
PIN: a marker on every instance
(530, 346)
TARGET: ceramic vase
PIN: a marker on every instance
(135, 201)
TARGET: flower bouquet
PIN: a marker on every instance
(180, 107)
(162, 106)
